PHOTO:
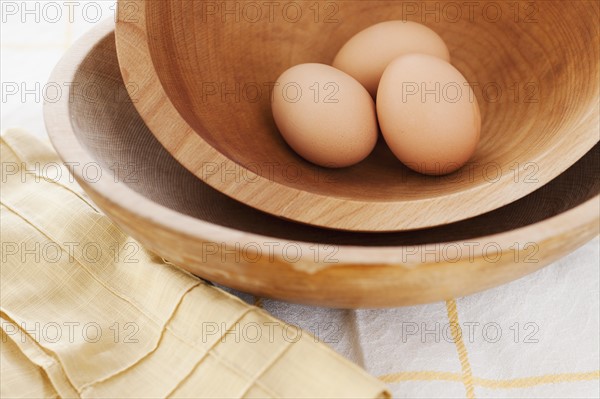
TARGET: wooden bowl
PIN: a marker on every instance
(164, 206)
(199, 73)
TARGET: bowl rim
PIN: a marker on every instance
(65, 141)
(334, 212)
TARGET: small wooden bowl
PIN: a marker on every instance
(164, 206)
(199, 73)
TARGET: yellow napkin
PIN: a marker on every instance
(87, 312)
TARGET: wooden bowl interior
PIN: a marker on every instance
(109, 127)
(535, 82)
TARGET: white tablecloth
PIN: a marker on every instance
(535, 337)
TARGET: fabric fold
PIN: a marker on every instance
(88, 312)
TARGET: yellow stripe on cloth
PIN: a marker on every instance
(467, 373)
(537, 380)
(421, 376)
(514, 383)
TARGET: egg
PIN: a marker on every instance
(367, 54)
(325, 115)
(428, 114)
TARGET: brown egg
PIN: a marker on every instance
(428, 114)
(366, 55)
(325, 115)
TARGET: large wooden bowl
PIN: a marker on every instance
(199, 73)
(160, 203)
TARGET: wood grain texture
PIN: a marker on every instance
(164, 206)
(194, 72)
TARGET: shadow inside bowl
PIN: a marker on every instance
(109, 127)
(535, 81)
